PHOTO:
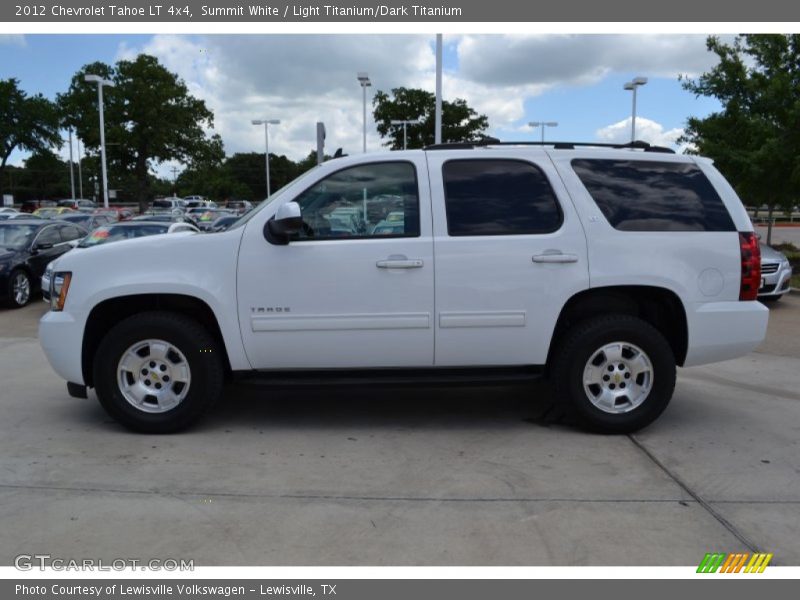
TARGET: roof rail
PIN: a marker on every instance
(490, 141)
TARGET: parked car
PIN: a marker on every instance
(204, 217)
(175, 205)
(115, 213)
(240, 207)
(28, 206)
(223, 222)
(117, 232)
(8, 210)
(17, 215)
(53, 212)
(491, 275)
(86, 220)
(163, 217)
(200, 204)
(26, 247)
(776, 274)
(80, 204)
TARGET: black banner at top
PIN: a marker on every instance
(412, 11)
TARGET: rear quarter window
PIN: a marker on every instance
(640, 195)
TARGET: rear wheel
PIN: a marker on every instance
(158, 372)
(613, 374)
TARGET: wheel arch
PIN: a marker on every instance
(107, 313)
(658, 306)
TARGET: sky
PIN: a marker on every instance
(574, 80)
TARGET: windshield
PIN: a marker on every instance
(116, 233)
(162, 204)
(16, 237)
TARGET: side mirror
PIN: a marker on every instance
(39, 246)
(286, 222)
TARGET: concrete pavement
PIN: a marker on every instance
(405, 476)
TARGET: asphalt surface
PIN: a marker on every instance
(413, 476)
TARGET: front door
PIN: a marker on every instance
(355, 287)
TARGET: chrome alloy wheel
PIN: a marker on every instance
(21, 289)
(618, 377)
(154, 376)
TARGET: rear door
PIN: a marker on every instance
(510, 251)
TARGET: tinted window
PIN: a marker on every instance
(49, 235)
(374, 200)
(636, 195)
(69, 233)
(498, 197)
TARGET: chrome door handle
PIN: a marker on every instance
(399, 262)
(555, 257)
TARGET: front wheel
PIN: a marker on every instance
(614, 374)
(19, 288)
(158, 372)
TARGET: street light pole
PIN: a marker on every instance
(437, 127)
(80, 175)
(71, 167)
(266, 123)
(631, 87)
(404, 123)
(100, 83)
(542, 124)
(363, 79)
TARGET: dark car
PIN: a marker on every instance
(162, 217)
(115, 213)
(222, 223)
(26, 247)
(80, 204)
(87, 220)
(204, 218)
(28, 206)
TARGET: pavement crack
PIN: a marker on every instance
(732, 529)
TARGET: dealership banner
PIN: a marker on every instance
(199, 11)
(392, 589)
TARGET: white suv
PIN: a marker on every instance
(599, 268)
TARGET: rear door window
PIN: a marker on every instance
(498, 197)
(641, 195)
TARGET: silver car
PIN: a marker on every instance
(776, 273)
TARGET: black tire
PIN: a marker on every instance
(11, 300)
(581, 343)
(191, 339)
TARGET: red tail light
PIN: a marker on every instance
(751, 266)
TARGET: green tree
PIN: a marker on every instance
(755, 138)
(150, 117)
(28, 123)
(460, 123)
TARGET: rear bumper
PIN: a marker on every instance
(724, 330)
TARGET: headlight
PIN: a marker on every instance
(59, 288)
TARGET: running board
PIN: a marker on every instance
(391, 377)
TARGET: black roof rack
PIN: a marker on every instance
(490, 141)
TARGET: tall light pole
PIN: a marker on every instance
(404, 123)
(543, 125)
(266, 123)
(100, 84)
(437, 128)
(71, 167)
(80, 175)
(363, 79)
(631, 87)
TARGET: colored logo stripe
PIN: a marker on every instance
(734, 562)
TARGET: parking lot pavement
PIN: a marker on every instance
(405, 476)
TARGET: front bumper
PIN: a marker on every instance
(61, 338)
(776, 284)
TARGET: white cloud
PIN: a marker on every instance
(550, 59)
(646, 130)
